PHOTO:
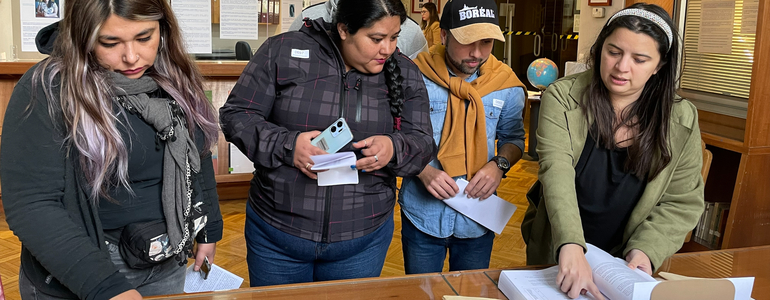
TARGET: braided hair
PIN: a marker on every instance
(393, 80)
(357, 14)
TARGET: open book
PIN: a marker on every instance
(613, 278)
(611, 275)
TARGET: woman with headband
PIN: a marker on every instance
(620, 155)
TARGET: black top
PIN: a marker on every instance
(606, 194)
(145, 173)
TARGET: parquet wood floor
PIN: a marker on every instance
(508, 250)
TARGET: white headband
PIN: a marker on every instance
(652, 17)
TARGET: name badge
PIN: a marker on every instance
(300, 53)
(498, 103)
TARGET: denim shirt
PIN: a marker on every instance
(503, 110)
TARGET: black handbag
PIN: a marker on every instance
(143, 245)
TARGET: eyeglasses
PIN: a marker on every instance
(424, 12)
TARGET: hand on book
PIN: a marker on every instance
(637, 259)
(575, 277)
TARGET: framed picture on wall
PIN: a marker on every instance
(417, 5)
(599, 2)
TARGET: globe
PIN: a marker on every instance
(542, 72)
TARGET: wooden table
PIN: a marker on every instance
(741, 262)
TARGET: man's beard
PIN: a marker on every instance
(465, 69)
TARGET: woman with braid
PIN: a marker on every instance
(296, 85)
(107, 175)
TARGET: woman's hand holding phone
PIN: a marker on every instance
(378, 151)
(303, 150)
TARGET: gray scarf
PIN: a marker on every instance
(180, 157)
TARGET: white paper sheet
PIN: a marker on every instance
(194, 18)
(238, 19)
(749, 17)
(239, 162)
(34, 15)
(337, 166)
(492, 213)
(716, 28)
(218, 280)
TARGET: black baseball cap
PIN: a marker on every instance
(472, 20)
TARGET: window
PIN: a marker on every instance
(717, 82)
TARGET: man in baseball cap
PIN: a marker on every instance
(475, 99)
(470, 21)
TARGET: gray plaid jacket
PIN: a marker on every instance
(296, 82)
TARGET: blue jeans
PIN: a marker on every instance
(275, 257)
(164, 279)
(424, 253)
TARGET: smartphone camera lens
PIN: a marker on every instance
(339, 124)
(334, 129)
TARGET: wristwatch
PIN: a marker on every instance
(502, 164)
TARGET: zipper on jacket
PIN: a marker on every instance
(327, 215)
(328, 199)
(359, 100)
(343, 94)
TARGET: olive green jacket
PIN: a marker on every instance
(669, 208)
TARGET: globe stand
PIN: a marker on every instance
(541, 73)
(534, 113)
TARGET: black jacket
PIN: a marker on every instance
(296, 82)
(47, 207)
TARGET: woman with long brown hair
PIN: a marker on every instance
(107, 175)
(620, 155)
(430, 26)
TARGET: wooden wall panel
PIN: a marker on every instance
(748, 223)
(722, 125)
(6, 89)
(758, 120)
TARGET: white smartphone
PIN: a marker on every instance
(334, 137)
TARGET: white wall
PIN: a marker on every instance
(6, 28)
(590, 26)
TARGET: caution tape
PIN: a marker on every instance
(520, 32)
(562, 36)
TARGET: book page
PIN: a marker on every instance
(612, 275)
(532, 285)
